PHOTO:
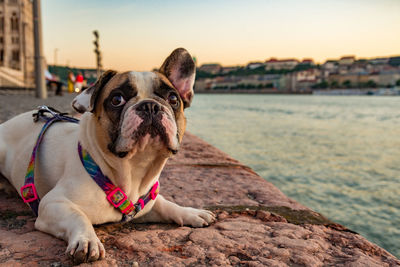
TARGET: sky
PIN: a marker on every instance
(139, 35)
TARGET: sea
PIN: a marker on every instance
(338, 155)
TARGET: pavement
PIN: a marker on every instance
(15, 102)
(257, 224)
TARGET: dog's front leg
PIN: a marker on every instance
(166, 211)
(63, 219)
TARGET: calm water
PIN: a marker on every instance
(337, 155)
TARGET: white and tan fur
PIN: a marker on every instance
(71, 202)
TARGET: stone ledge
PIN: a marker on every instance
(257, 225)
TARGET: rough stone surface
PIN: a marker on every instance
(257, 225)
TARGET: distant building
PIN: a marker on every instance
(302, 80)
(310, 75)
(225, 70)
(347, 60)
(394, 61)
(353, 79)
(276, 64)
(379, 61)
(16, 43)
(255, 65)
(210, 68)
(389, 78)
(307, 61)
(330, 65)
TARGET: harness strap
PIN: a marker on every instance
(115, 195)
(28, 190)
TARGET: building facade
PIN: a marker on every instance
(285, 64)
(16, 44)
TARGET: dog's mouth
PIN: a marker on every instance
(140, 131)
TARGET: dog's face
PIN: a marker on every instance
(142, 110)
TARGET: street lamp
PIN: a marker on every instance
(97, 52)
(41, 91)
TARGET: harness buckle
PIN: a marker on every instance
(28, 193)
(116, 197)
(154, 191)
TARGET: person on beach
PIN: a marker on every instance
(71, 81)
(79, 82)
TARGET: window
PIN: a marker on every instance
(15, 55)
(14, 22)
(1, 56)
(1, 40)
(2, 24)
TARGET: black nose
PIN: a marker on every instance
(149, 107)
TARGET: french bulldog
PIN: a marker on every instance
(132, 122)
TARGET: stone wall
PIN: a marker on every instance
(257, 225)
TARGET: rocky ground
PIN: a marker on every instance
(257, 224)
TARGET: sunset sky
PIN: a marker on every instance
(138, 35)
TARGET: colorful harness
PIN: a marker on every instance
(114, 194)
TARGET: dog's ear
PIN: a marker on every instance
(86, 100)
(180, 69)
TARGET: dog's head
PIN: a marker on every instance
(140, 110)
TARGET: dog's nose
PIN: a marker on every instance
(149, 107)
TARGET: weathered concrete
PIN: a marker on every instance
(257, 225)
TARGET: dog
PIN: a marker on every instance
(131, 123)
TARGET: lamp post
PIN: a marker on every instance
(97, 52)
(41, 91)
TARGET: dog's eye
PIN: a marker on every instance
(117, 101)
(173, 100)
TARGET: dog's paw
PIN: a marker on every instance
(85, 249)
(194, 217)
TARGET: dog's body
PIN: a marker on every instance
(132, 123)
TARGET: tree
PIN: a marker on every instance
(321, 85)
(334, 84)
(269, 85)
(371, 84)
(398, 82)
(347, 84)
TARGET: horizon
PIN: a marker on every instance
(139, 36)
(257, 61)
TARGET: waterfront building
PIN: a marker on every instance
(307, 62)
(347, 60)
(285, 64)
(379, 61)
(213, 68)
(226, 70)
(389, 77)
(394, 61)
(16, 44)
(255, 65)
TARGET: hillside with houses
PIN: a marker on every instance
(295, 76)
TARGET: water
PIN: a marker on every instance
(337, 155)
